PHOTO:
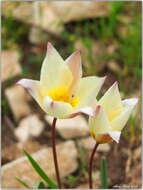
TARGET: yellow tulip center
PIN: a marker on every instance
(62, 94)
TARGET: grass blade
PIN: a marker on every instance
(39, 185)
(23, 183)
(40, 171)
(103, 173)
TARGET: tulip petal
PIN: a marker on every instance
(119, 122)
(87, 110)
(99, 123)
(115, 135)
(59, 110)
(33, 86)
(54, 71)
(111, 102)
(74, 64)
(88, 89)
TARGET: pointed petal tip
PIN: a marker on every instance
(115, 83)
(49, 46)
(104, 78)
(78, 52)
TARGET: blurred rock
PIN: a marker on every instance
(112, 48)
(22, 169)
(10, 66)
(37, 36)
(20, 10)
(71, 11)
(18, 100)
(15, 151)
(52, 15)
(70, 128)
(114, 66)
(28, 127)
(137, 154)
(88, 143)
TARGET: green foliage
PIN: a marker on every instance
(40, 172)
(13, 32)
(39, 185)
(23, 183)
(103, 173)
(71, 180)
(5, 106)
(133, 130)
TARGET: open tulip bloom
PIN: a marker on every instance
(110, 116)
(61, 91)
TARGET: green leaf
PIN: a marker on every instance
(103, 173)
(39, 185)
(23, 183)
(40, 171)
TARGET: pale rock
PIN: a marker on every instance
(22, 11)
(70, 128)
(22, 169)
(137, 154)
(15, 151)
(34, 34)
(72, 11)
(49, 20)
(18, 100)
(88, 143)
(52, 15)
(30, 126)
(10, 66)
(114, 66)
(59, 13)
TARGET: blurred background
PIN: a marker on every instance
(108, 34)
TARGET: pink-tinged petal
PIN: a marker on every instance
(54, 71)
(119, 122)
(115, 135)
(87, 111)
(99, 123)
(33, 87)
(74, 64)
(59, 110)
(111, 102)
(88, 89)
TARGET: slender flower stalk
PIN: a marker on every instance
(54, 152)
(91, 165)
